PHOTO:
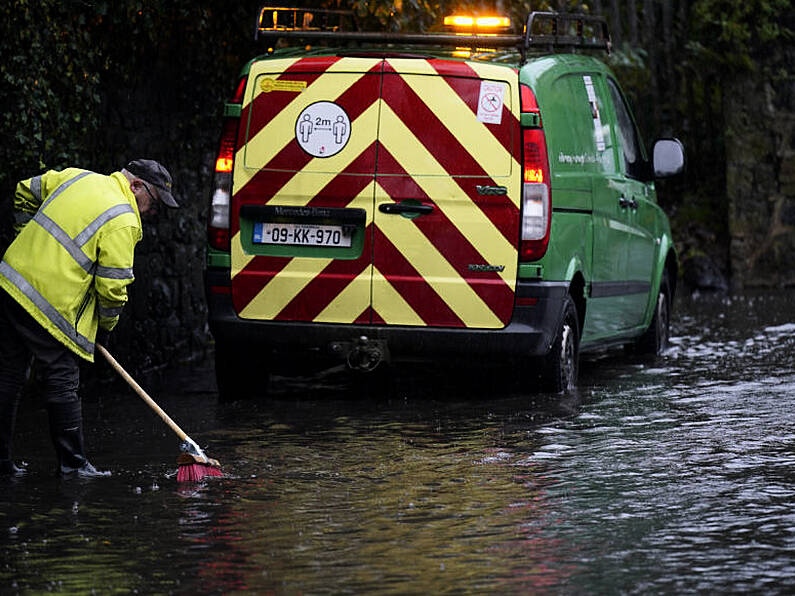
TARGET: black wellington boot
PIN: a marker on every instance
(66, 430)
(8, 416)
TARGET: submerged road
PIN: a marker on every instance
(669, 475)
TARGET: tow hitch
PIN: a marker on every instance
(363, 354)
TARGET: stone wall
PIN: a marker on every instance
(165, 321)
(760, 173)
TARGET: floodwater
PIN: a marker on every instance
(664, 476)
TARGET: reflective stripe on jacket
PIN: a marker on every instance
(72, 259)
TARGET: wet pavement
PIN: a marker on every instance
(669, 475)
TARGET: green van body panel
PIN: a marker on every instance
(606, 225)
(616, 248)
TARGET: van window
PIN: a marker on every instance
(581, 140)
(634, 160)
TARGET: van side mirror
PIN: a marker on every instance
(668, 158)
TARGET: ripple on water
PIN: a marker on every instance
(670, 475)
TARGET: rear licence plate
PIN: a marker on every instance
(301, 234)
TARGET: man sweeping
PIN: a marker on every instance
(64, 281)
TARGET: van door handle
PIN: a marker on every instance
(398, 208)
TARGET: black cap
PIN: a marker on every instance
(155, 174)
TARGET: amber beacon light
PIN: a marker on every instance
(469, 22)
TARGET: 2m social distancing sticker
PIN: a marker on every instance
(490, 101)
(323, 129)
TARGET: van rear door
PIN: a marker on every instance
(447, 194)
(303, 186)
(372, 190)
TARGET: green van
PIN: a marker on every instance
(382, 197)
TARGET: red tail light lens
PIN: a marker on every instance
(536, 189)
(227, 146)
(527, 99)
(536, 196)
(218, 238)
(239, 90)
(218, 222)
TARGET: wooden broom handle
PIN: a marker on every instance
(142, 394)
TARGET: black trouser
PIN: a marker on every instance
(58, 374)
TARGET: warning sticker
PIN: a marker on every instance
(490, 102)
(599, 134)
(267, 85)
(322, 129)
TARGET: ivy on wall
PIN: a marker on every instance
(49, 82)
(739, 34)
(81, 81)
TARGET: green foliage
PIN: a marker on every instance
(631, 67)
(398, 15)
(83, 80)
(425, 15)
(736, 34)
(49, 79)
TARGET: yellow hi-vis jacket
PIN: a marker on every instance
(72, 259)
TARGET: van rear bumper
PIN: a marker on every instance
(530, 332)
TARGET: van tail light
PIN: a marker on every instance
(528, 100)
(536, 189)
(218, 222)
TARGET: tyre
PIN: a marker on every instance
(559, 367)
(239, 374)
(655, 339)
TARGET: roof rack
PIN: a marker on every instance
(281, 21)
(310, 24)
(573, 30)
(551, 29)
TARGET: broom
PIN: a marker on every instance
(193, 463)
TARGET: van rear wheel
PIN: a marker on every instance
(655, 339)
(559, 367)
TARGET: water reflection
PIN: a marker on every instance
(665, 475)
(405, 506)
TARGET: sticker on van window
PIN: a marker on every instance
(597, 120)
(490, 102)
(323, 129)
(267, 85)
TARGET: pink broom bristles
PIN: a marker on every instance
(194, 472)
